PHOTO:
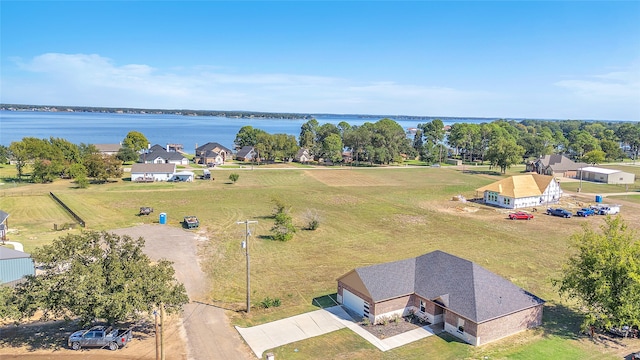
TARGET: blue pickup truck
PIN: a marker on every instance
(584, 212)
(559, 212)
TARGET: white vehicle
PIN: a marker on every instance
(609, 209)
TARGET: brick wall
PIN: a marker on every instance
(509, 325)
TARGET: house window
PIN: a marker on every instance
(460, 325)
(422, 308)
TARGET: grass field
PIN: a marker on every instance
(367, 216)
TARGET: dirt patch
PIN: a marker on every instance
(344, 178)
(40, 340)
(393, 327)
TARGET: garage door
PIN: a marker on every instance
(353, 302)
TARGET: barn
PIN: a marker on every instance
(607, 176)
(14, 266)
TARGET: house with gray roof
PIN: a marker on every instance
(212, 153)
(470, 302)
(152, 172)
(246, 153)
(3, 225)
(158, 155)
(108, 149)
(556, 165)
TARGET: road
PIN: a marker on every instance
(209, 335)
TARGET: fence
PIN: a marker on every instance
(75, 216)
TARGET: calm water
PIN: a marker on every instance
(110, 128)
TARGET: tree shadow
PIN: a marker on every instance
(561, 321)
(53, 335)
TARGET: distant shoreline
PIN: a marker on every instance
(255, 114)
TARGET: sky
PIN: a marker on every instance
(503, 59)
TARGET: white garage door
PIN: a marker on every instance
(353, 302)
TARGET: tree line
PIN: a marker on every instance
(501, 143)
(49, 159)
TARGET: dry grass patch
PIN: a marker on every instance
(346, 177)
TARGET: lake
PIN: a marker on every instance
(191, 131)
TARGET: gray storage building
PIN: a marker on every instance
(14, 265)
(607, 176)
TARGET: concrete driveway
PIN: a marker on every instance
(300, 327)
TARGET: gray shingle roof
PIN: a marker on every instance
(6, 253)
(153, 168)
(246, 150)
(212, 146)
(462, 286)
(157, 151)
(3, 216)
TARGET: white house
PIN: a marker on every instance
(158, 155)
(522, 191)
(152, 172)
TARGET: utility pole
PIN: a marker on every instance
(155, 314)
(161, 331)
(245, 245)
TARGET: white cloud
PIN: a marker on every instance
(94, 80)
(614, 86)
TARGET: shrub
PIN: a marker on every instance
(234, 177)
(269, 302)
(313, 219)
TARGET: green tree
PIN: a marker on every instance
(603, 274)
(332, 148)
(97, 275)
(308, 132)
(135, 140)
(247, 136)
(126, 154)
(503, 153)
(594, 157)
(283, 228)
(5, 153)
(234, 177)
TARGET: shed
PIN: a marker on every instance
(14, 265)
(607, 176)
(183, 176)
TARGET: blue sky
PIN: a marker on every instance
(512, 59)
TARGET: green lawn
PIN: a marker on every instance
(367, 216)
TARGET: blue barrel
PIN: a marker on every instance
(598, 198)
(163, 218)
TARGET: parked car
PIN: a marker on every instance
(520, 215)
(559, 212)
(585, 212)
(99, 336)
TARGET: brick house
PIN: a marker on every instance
(556, 165)
(212, 153)
(521, 191)
(469, 301)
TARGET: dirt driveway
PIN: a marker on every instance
(207, 331)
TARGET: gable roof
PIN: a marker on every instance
(108, 147)
(559, 162)
(520, 186)
(461, 285)
(6, 254)
(153, 168)
(157, 151)
(245, 151)
(212, 146)
(3, 216)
